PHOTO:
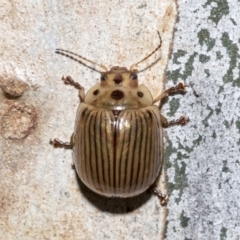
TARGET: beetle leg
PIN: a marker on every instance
(162, 197)
(180, 87)
(180, 121)
(59, 144)
(69, 81)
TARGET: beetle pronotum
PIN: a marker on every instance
(117, 141)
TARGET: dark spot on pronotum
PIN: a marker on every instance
(117, 95)
(133, 76)
(103, 77)
(96, 92)
(140, 94)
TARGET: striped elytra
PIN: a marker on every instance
(118, 153)
(117, 140)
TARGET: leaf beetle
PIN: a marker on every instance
(117, 141)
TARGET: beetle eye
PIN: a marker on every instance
(103, 77)
(133, 76)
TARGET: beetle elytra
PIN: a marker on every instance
(117, 141)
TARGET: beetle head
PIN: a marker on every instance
(119, 76)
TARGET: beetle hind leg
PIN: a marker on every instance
(162, 197)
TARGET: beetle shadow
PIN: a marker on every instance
(113, 205)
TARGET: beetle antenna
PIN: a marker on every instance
(62, 51)
(149, 55)
(77, 60)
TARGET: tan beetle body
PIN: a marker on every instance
(117, 141)
(118, 136)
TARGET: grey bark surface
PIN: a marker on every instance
(40, 196)
(203, 157)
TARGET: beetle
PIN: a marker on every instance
(117, 141)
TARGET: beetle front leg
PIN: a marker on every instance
(178, 88)
(69, 81)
